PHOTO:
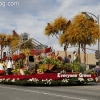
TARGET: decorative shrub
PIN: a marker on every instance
(74, 67)
(82, 67)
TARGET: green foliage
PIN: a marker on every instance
(41, 69)
(27, 72)
(75, 67)
(51, 61)
(82, 68)
(68, 65)
(46, 82)
(90, 71)
(16, 71)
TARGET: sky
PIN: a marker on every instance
(31, 16)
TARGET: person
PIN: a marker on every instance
(75, 57)
(67, 59)
(1, 68)
(9, 66)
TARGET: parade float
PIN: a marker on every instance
(50, 71)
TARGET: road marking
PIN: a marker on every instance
(87, 87)
(74, 98)
(65, 96)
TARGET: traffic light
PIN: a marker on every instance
(97, 54)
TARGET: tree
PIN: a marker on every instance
(2, 42)
(5, 40)
(57, 28)
(88, 31)
(81, 32)
(12, 41)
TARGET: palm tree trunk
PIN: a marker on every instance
(65, 53)
(84, 53)
(79, 60)
(65, 50)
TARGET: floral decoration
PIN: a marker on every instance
(15, 57)
(22, 55)
(48, 79)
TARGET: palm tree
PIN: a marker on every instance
(88, 31)
(57, 28)
(3, 42)
(81, 32)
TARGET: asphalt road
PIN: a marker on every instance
(85, 92)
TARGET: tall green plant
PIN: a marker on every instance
(75, 67)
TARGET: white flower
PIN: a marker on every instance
(17, 78)
(7, 79)
(65, 80)
(46, 81)
(1, 80)
(50, 79)
(49, 82)
(30, 80)
(97, 79)
(33, 80)
(63, 72)
(13, 80)
(43, 80)
(81, 79)
(90, 79)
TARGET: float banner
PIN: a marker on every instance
(69, 75)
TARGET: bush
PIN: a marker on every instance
(82, 67)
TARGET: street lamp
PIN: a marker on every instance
(97, 19)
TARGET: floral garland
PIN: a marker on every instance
(16, 57)
(45, 79)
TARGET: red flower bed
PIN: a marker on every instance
(53, 76)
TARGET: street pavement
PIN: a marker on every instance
(84, 92)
